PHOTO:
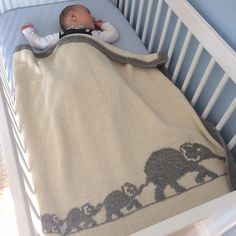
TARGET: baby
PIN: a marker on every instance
(73, 19)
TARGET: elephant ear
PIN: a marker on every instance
(55, 219)
(86, 208)
(190, 152)
(129, 189)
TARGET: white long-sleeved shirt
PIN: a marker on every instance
(108, 33)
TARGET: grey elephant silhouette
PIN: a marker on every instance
(79, 219)
(51, 223)
(166, 166)
(117, 200)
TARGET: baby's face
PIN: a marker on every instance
(83, 17)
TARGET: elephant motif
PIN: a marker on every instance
(51, 223)
(79, 219)
(166, 166)
(117, 200)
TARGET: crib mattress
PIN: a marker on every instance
(45, 20)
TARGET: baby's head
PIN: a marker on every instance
(76, 15)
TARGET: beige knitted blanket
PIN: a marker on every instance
(112, 144)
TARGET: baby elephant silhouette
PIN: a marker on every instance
(81, 218)
(166, 166)
(51, 223)
(117, 200)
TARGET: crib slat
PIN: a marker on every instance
(126, 8)
(215, 96)
(203, 81)
(21, 153)
(114, 2)
(173, 42)
(205, 34)
(33, 203)
(165, 28)
(181, 56)
(14, 174)
(226, 115)
(8, 96)
(139, 17)
(12, 117)
(232, 143)
(36, 222)
(18, 143)
(192, 68)
(5, 85)
(147, 20)
(120, 5)
(27, 181)
(155, 24)
(131, 20)
(7, 92)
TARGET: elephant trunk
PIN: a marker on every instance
(142, 186)
(61, 222)
(221, 158)
(98, 207)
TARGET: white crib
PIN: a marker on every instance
(147, 26)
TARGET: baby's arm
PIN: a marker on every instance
(108, 34)
(37, 41)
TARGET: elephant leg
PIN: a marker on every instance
(137, 204)
(108, 217)
(203, 172)
(92, 223)
(129, 207)
(212, 175)
(119, 214)
(178, 188)
(159, 193)
(70, 229)
(200, 178)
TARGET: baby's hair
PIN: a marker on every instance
(64, 14)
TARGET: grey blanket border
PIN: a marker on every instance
(133, 59)
(230, 161)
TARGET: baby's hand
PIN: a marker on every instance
(30, 25)
(98, 23)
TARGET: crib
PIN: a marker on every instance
(195, 54)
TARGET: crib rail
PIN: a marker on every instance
(14, 167)
(154, 34)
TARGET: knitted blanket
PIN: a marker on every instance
(113, 146)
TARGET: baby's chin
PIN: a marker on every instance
(92, 27)
(89, 26)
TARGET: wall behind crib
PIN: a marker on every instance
(221, 15)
